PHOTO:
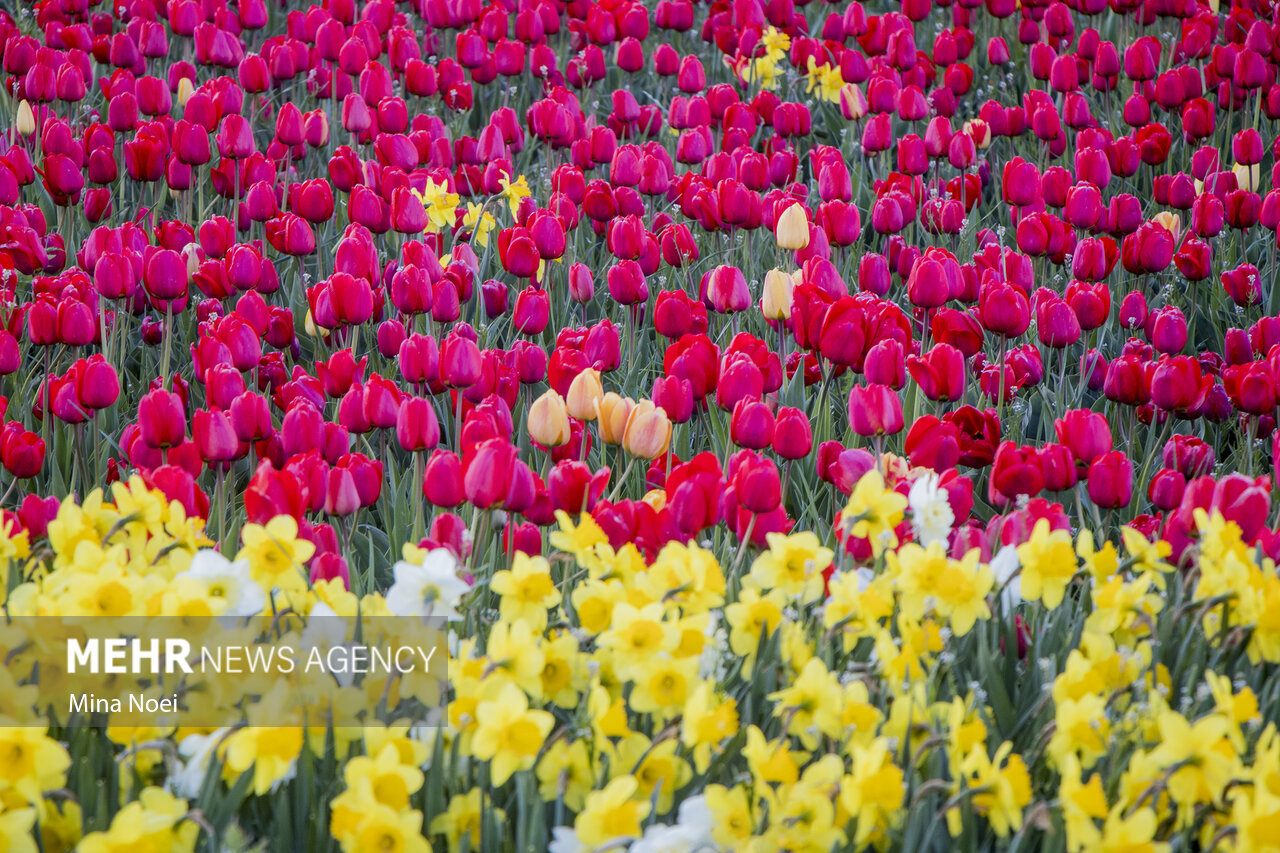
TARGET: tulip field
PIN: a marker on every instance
(817, 426)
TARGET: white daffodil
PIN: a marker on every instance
(432, 589)
(227, 580)
(931, 514)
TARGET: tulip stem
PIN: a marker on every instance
(457, 420)
(618, 486)
(418, 498)
(220, 496)
(45, 413)
(168, 342)
(743, 545)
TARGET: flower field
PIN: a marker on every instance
(817, 426)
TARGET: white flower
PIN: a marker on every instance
(1004, 565)
(196, 750)
(695, 815)
(229, 581)
(691, 833)
(431, 589)
(565, 840)
(931, 514)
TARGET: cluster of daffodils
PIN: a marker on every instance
(798, 700)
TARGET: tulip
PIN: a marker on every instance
(1166, 489)
(885, 364)
(874, 410)
(933, 443)
(778, 295)
(161, 419)
(97, 383)
(1016, 471)
(1167, 330)
(1086, 433)
(627, 283)
(1179, 385)
(1059, 466)
(416, 426)
(340, 495)
(792, 228)
(380, 403)
(647, 433)
(487, 472)
(1190, 455)
(940, 372)
(727, 290)
(574, 488)
(754, 482)
(674, 395)
(251, 417)
(581, 284)
(22, 453)
(751, 424)
(165, 274)
(1111, 480)
(459, 361)
(442, 482)
(585, 393)
(548, 420)
(612, 411)
(214, 436)
(1003, 308)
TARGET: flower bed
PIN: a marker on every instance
(802, 426)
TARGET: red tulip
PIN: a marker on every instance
(161, 419)
(940, 372)
(416, 426)
(487, 472)
(1111, 480)
(874, 410)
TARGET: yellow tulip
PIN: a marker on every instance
(612, 411)
(778, 295)
(792, 230)
(584, 392)
(25, 121)
(648, 431)
(549, 420)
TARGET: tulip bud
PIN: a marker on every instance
(792, 230)
(792, 434)
(25, 121)
(648, 431)
(549, 420)
(874, 410)
(584, 394)
(751, 424)
(442, 480)
(185, 90)
(778, 293)
(612, 411)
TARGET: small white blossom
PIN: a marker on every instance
(228, 581)
(431, 589)
(931, 514)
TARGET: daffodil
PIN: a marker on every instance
(1048, 564)
(527, 590)
(481, 223)
(509, 734)
(826, 79)
(513, 192)
(794, 564)
(613, 813)
(440, 204)
(275, 553)
(873, 512)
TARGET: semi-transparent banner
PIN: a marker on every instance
(204, 671)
